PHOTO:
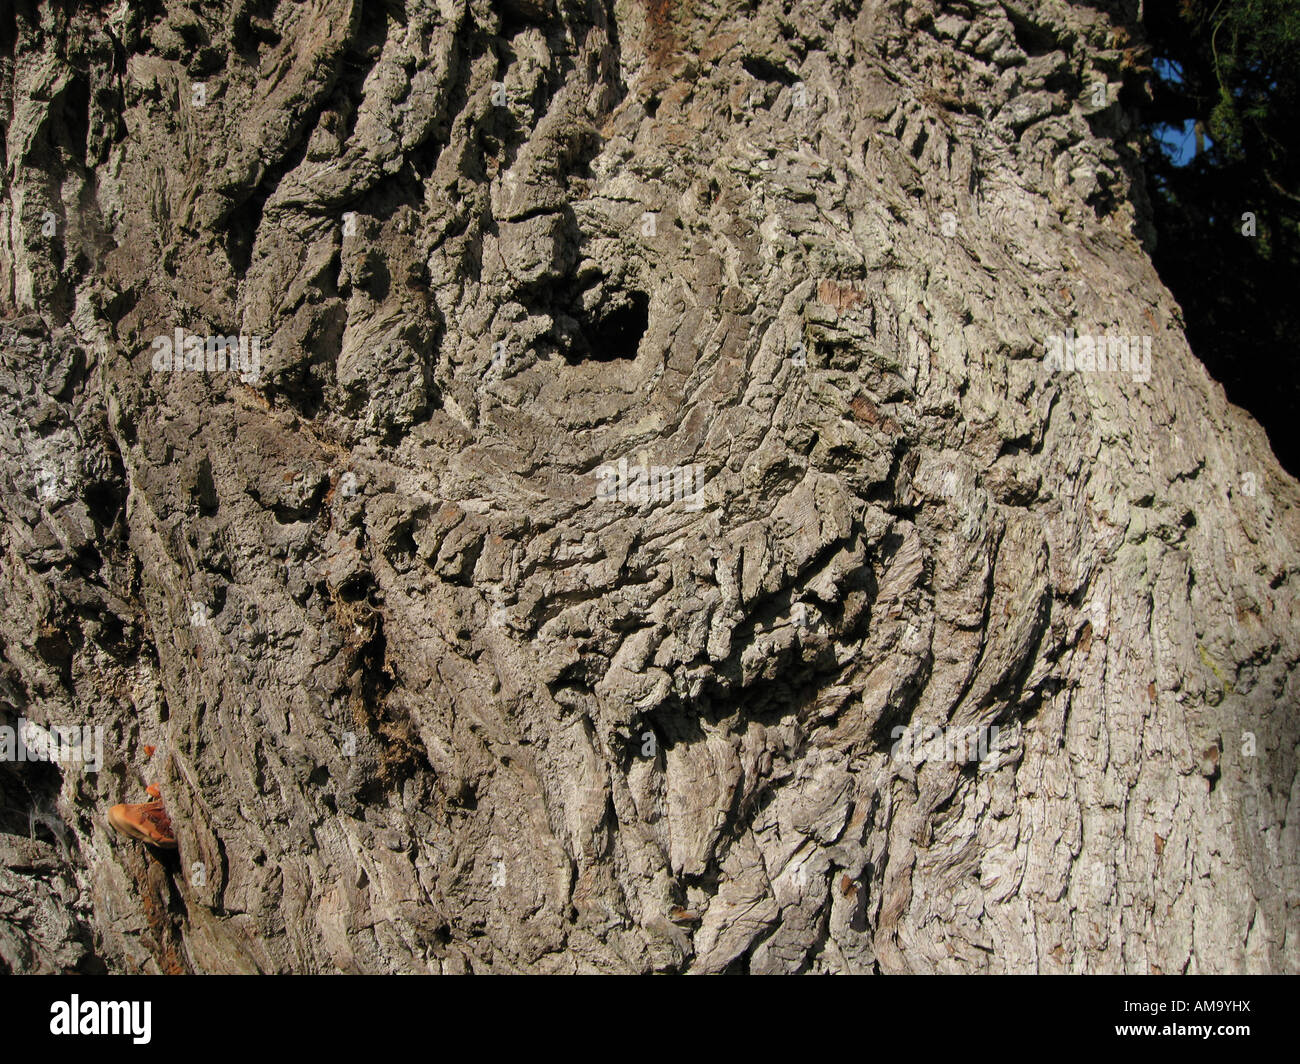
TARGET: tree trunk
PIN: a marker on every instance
(665, 506)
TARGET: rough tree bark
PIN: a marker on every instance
(424, 697)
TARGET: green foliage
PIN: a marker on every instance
(1252, 44)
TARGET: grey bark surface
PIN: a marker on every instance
(423, 701)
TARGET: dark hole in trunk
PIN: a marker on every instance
(617, 333)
